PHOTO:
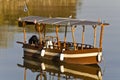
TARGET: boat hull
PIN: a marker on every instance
(85, 56)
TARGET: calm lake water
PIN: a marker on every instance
(11, 53)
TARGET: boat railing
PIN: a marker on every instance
(79, 46)
(69, 45)
(51, 42)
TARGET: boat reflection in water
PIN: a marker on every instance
(48, 68)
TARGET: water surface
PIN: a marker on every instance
(11, 53)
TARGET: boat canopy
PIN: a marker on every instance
(40, 23)
(59, 21)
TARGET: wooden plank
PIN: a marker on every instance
(20, 42)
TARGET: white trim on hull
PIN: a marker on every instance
(79, 55)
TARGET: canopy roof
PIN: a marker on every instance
(59, 21)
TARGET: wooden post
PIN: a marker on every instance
(83, 36)
(44, 26)
(25, 74)
(24, 31)
(101, 35)
(40, 34)
(57, 29)
(65, 36)
(73, 37)
(24, 35)
(94, 42)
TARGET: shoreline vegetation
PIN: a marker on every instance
(11, 10)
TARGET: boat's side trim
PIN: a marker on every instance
(66, 55)
(42, 52)
(82, 55)
(32, 51)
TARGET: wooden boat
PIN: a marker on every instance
(47, 68)
(62, 50)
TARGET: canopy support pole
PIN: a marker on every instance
(94, 42)
(24, 31)
(83, 35)
(44, 26)
(73, 37)
(65, 36)
(57, 29)
(101, 36)
(40, 34)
